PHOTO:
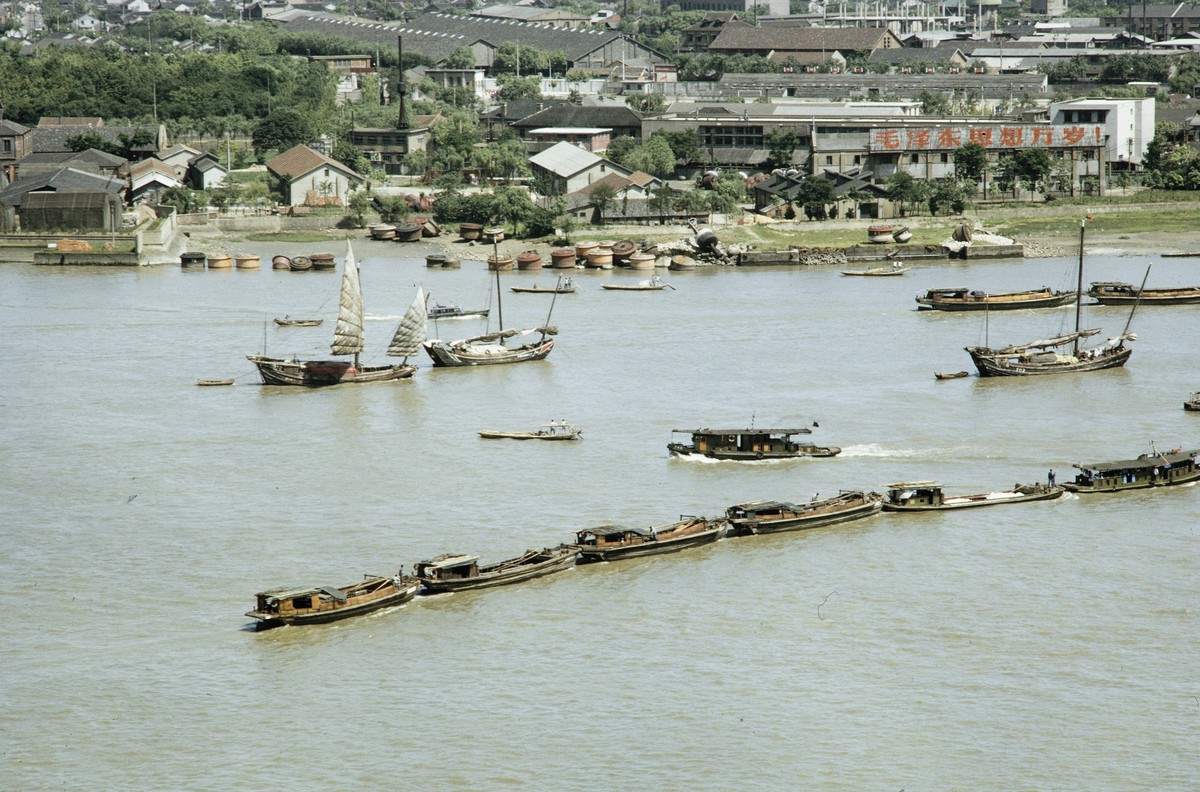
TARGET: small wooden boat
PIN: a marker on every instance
(748, 445)
(765, 517)
(320, 604)
(565, 286)
(1118, 293)
(449, 572)
(438, 311)
(614, 542)
(1193, 402)
(653, 284)
(927, 496)
(555, 430)
(210, 383)
(880, 234)
(955, 375)
(287, 321)
(896, 269)
(962, 299)
(281, 262)
(1148, 470)
(1181, 255)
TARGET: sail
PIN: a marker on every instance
(348, 335)
(1047, 343)
(411, 332)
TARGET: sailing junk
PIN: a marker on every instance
(348, 339)
(1039, 357)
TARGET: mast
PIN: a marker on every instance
(1136, 302)
(1079, 286)
(499, 305)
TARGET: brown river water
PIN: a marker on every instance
(1048, 646)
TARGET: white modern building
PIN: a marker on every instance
(1127, 123)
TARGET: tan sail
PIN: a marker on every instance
(348, 335)
(411, 332)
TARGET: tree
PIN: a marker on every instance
(934, 103)
(513, 87)
(646, 102)
(183, 199)
(904, 190)
(602, 196)
(618, 149)
(416, 162)
(685, 144)
(971, 164)
(1032, 167)
(359, 204)
(654, 157)
(946, 194)
(281, 130)
(662, 200)
(780, 148)
(814, 194)
(460, 58)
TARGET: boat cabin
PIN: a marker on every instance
(1113, 288)
(285, 602)
(743, 441)
(449, 566)
(603, 536)
(914, 493)
(757, 510)
(1148, 470)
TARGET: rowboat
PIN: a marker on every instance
(896, 269)
(287, 321)
(955, 375)
(555, 430)
(653, 284)
(210, 383)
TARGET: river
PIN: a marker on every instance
(1040, 646)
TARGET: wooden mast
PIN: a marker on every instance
(1079, 287)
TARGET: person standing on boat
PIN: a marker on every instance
(1050, 477)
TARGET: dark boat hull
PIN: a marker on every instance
(1141, 483)
(989, 366)
(320, 373)
(446, 355)
(589, 555)
(680, 449)
(1190, 298)
(558, 562)
(756, 526)
(1045, 493)
(1054, 301)
(266, 621)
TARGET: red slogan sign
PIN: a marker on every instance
(991, 137)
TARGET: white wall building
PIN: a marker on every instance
(1128, 124)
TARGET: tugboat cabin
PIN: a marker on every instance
(743, 443)
(1148, 470)
(449, 566)
(914, 493)
(285, 603)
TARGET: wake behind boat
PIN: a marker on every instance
(1040, 357)
(348, 339)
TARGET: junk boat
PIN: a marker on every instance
(765, 517)
(320, 604)
(450, 572)
(1148, 470)
(614, 542)
(915, 496)
(749, 444)
(1119, 293)
(962, 299)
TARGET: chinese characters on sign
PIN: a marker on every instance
(992, 137)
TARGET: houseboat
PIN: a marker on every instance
(749, 444)
(916, 496)
(764, 517)
(1148, 470)
(450, 572)
(320, 604)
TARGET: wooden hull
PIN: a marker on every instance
(298, 322)
(878, 272)
(955, 375)
(976, 501)
(996, 303)
(514, 571)
(588, 555)
(1192, 405)
(1141, 483)
(537, 290)
(398, 596)
(680, 449)
(319, 373)
(618, 287)
(829, 512)
(459, 314)
(991, 365)
(1149, 297)
(214, 382)
(444, 354)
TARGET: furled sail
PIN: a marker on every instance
(348, 335)
(1047, 343)
(411, 332)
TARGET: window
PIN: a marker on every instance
(945, 158)
(857, 159)
(829, 160)
(914, 159)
